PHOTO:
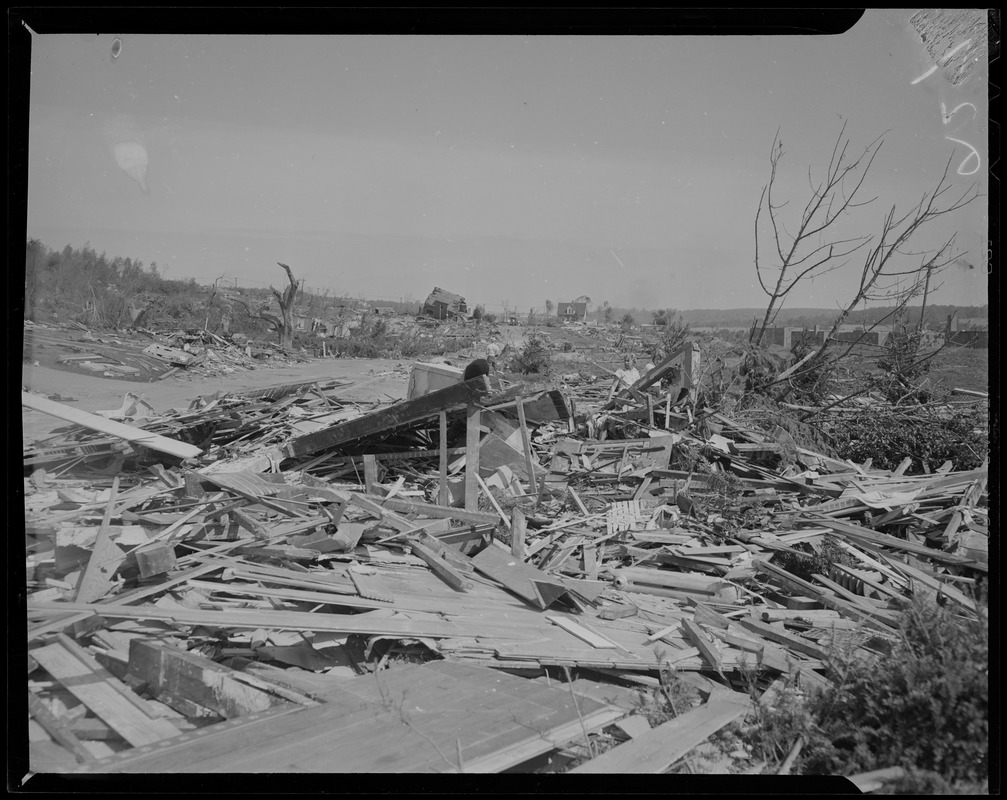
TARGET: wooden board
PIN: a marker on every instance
(179, 678)
(104, 694)
(119, 430)
(655, 751)
(436, 717)
(387, 419)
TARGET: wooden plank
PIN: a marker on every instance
(171, 674)
(370, 473)
(103, 693)
(441, 568)
(58, 729)
(442, 472)
(583, 633)
(106, 556)
(492, 499)
(656, 751)
(526, 444)
(698, 637)
(438, 717)
(523, 579)
(387, 419)
(858, 534)
(472, 433)
(422, 509)
(517, 534)
(788, 640)
(119, 430)
(269, 620)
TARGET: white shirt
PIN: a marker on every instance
(627, 377)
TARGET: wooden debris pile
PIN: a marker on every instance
(144, 355)
(463, 581)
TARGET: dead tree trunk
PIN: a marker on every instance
(283, 323)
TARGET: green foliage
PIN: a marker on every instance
(673, 334)
(627, 322)
(925, 706)
(887, 436)
(776, 725)
(814, 563)
(533, 357)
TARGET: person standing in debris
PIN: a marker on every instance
(493, 351)
(625, 377)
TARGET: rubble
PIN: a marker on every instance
(281, 580)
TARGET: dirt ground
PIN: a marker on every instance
(367, 379)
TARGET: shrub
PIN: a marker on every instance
(887, 436)
(814, 563)
(924, 706)
(533, 358)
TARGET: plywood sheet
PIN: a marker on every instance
(437, 717)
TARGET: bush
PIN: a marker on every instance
(533, 358)
(888, 436)
(925, 706)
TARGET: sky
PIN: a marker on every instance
(507, 169)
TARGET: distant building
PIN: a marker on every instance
(572, 312)
(444, 305)
(384, 311)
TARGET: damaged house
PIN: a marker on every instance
(572, 311)
(444, 305)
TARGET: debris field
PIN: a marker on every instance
(480, 575)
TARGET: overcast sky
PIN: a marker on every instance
(504, 168)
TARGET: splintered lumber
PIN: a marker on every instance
(655, 751)
(436, 717)
(440, 567)
(859, 534)
(387, 419)
(155, 558)
(472, 433)
(442, 467)
(699, 638)
(582, 632)
(182, 680)
(525, 580)
(106, 556)
(253, 619)
(785, 638)
(57, 729)
(119, 430)
(107, 696)
(409, 506)
(517, 533)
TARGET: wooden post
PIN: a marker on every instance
(442, 496)
(517, 533)
(526, 443)
(472, 431)
(667, 412)
(650, 410)
(690, 370)
(370, 472)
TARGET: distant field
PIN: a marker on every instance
(963, 368)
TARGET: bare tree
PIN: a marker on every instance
(813, 249)
(283, 323)
(890, 273)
